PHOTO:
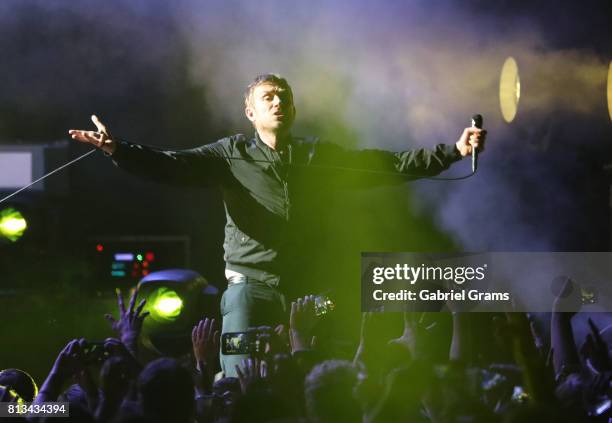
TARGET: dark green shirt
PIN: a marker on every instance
(264, 189)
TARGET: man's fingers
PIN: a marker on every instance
(239, 372)
(206, 328)
(194, 334)
(596, 334)
(313, 342)
(215, 340)
(120, 301)
(101, 127)
(292, 315)
(208, 333)
(90, 137)
(200, 328)
(73, 347)
(133, 296)
(141, 305)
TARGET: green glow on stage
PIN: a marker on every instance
(12, 224)
(165, 304)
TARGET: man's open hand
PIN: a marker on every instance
(129, 325)
(101, 138)
(205, 342)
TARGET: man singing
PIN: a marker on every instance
(264, 180)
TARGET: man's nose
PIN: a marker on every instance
(276, 100)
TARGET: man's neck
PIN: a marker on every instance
(274, 140)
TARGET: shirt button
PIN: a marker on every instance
(243, 239)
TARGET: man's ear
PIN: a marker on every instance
(248, 111)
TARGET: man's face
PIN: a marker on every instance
(271, 108)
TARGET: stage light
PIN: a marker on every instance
(12, 224)
(610, 90)
(509, 89)
(176, 300)
(166, 304)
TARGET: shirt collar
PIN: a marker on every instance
(265, 146)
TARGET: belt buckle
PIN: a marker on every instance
(236, 278)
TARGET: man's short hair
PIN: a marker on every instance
(271, 78)
(329, 392)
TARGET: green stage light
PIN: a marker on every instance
(12, 224)
(165, 304)
(176, 300)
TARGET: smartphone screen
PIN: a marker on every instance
(239, 343)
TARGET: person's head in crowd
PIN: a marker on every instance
(78, 414)
(166, 391)
(540, 414)
(330, 393)
(261, 405)
(133, 418)
(21, 382)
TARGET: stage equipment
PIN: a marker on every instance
(176, 300)
(127, 259)
(12, 224)
(610, 90)
(509, 89)
(26, 166)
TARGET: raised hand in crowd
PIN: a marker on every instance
(205, 343)
(301, 322)
(416, 336)
(565, 353)
(129, 324)
(69, 362)
(373, 340)
(595, 351)
(537, 376)
(252, 373)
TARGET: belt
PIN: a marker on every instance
(237, 279)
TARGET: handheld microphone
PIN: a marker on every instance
(476, 123)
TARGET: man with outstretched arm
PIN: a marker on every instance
(263, 180)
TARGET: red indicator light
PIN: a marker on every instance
(99, 248)
(145, 264)
(145, 272)
(150, 256)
